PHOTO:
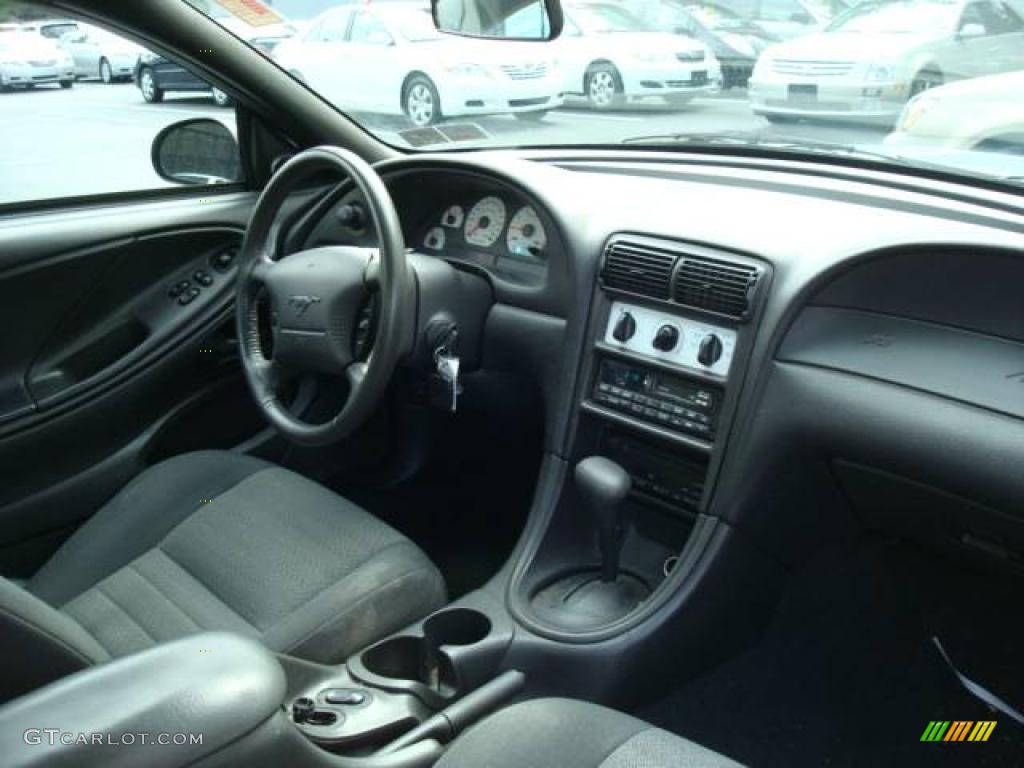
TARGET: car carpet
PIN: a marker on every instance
(847, 673)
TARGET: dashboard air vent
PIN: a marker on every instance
(639, 268)
(718, 286)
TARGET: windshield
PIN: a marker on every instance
(604, 19)
(897, 81)
(415, 27)
(937, 84)
(898, 18)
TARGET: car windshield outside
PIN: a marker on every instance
(896, 81)
(898, 18)
(932, 84)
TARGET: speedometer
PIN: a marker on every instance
(485, 222)
(526, 235)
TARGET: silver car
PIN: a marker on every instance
(876, 56)
(28, 60)
(98, 53)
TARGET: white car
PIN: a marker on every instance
(611, 57)
(981, 115)
(873, 58)
(52, 29)
(390, 59)
(28, 60)
(102, 54)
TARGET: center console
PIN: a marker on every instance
(669, 336)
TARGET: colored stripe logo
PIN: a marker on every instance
(958, 730)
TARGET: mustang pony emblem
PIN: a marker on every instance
(301, 304)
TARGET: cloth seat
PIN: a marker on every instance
(565, 733)
(215, 541)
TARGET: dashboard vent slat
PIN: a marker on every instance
(640, 269)
(718, 286)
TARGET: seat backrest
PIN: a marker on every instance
(38, 644)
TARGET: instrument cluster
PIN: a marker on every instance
(506, 237)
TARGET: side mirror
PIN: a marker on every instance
(533, 20)
(972, 30)
(199, 151)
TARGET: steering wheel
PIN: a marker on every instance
(317, 298)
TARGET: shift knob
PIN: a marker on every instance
(604, 486)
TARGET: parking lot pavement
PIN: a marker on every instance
(97, 138)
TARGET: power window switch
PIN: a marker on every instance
(188, 297)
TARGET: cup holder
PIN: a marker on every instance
(459, 626)
(425, 663)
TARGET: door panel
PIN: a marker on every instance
(101, 369)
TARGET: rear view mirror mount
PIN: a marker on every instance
(528, 20)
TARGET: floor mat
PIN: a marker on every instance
(847, 674)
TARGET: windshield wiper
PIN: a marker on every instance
(739, 139)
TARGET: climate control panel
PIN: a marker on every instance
(670, 338)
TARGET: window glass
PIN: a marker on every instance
(334, 27)
(79, 117)
(369, 30)
(1001, 19)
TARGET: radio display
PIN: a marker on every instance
(658, 397)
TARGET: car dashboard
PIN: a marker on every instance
(691, 318)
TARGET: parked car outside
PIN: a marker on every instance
(52, 29)
(28, 59)
(876, 56)
(390, 59)
(102, 54)
(736, 42)
(263, 39)
(611, 57)
(985, 114)
(781, 20)
(156, 76)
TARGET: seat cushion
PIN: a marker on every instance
(564, 733)
(220, 541)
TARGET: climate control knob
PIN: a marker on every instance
(624, 328)
(666, 338)
(710, 351)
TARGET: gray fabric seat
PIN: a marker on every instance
(214, 541)
(564, 733)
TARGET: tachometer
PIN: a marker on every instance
(454, 217)
(526, 235)
(435, 239)
(486, 222)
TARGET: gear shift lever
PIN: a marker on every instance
(604, 486)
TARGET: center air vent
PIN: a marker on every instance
(641, 269)
(718, 286)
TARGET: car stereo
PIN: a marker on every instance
(658, 398)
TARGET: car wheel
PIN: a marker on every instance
(603, 86)
(421, 102)
(65, 84)
(220, 98)
(925, 80)
(678, 100)
(106, 73)
(147, 84)
(532, 117)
